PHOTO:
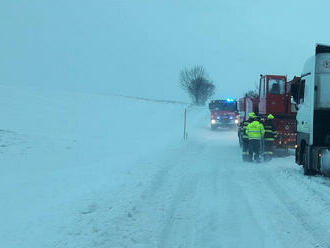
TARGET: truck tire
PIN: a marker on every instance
(307, 170)
(212, 127)
(298, 156)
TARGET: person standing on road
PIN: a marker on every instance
(255, 132)
(245, 137)
(269, 138)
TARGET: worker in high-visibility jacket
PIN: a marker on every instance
(245, 137)
(269, 137)
(255, 132)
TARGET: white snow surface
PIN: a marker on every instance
(86, 170)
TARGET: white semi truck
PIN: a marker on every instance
(311, 93)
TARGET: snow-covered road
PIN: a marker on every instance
(96, 171)
(204, 196)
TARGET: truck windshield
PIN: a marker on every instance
(223, 105)
(276, 86)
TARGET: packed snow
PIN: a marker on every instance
(87, 170)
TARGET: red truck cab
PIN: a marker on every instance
(275, 98)
(224, 113)
(273, 94)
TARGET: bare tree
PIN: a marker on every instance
(196, 83)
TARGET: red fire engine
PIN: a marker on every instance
(223, 113)
(274, 98)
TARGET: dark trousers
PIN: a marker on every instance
(268, 149)
(254, 150)
(245, 150)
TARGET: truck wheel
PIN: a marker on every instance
(307, 171)
(212, 127)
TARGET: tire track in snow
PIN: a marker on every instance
(178, 224)
(318, 187)
(187, 214)
(160, 178)
(238, 217)
(153, 204)
(177, 218)
(157, 182)
(298, 213)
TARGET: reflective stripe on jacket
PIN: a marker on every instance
(255, 130)
(243, 128)
(270, 132)
(245, 124)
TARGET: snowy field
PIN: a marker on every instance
(86, 170)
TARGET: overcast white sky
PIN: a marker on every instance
(138, 47)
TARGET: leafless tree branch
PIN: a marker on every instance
(196, 83)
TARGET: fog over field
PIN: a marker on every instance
(139, 47)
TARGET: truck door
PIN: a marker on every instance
(305, 114)
(276, 95)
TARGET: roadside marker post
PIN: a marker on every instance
(185, 125)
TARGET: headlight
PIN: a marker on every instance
(213, 121)
(236, 121)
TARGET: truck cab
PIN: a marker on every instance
(224, 113)
(275, 98)
(311, 93)
(272, 94)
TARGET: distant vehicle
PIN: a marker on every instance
(224, 113)
(311, 93)
(274, 98)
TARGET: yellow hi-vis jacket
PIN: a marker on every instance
(255, 130)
